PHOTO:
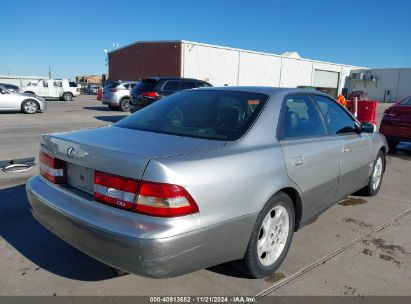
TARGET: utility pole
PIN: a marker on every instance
(49, 72)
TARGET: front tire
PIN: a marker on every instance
(67, 96)
(30, 106)
(374, 184)
(271, 237)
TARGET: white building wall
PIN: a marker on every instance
(404, 84)
(259, 70)
(215, 65)
(397, 81)
(19, 80)
(296, 72)
(227, 66)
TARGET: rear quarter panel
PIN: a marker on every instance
(226, 183)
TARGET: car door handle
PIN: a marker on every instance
(298, 161)
(345, 150)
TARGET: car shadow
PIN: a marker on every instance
(100, 108)
(227, 269)
(41, 247)
(112, 119)
(402, 151)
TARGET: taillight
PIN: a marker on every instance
(150, 95)
(164, 200)
(114, 90)
(53, 169)
(155, 199)
(115, 190)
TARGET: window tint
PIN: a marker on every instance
(301, 118)
(186, 85)
(208, 114)
(72, 84)
(146, 85)
(171, 86)
(337, 119)
(203, 84)
(406, 102)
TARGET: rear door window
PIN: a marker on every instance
(171, 86)
(301, 118)
(186, 85)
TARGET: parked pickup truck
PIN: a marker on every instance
(53, 88)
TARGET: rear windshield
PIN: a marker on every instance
(208, 114)
(112, 85)
(146, 85)
(406, 102)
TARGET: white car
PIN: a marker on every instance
(27, 103)
(53, 88)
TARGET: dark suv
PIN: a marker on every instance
(152, 89)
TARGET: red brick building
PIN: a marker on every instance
(145, 59)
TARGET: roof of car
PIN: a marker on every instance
(173, 78)
(264, 90)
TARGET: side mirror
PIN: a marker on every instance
(367, 127)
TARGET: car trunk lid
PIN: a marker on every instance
(115, 150)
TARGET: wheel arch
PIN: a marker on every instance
(297, 203)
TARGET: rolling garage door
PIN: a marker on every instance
(326, 81)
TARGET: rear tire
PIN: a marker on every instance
(125, 104)
(67, 96)
(30, 106)
(375, 181)
(270, 239)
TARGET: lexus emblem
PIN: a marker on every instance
(71, 152)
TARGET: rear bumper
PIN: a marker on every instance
(144, 245)
(110, 101)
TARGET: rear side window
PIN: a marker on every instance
(186, 85)
(72, 84)
(112, 85)
(406, 102)
(171, 86)
(202, 84)
(301, 118)
(337, 119)
(208, 114)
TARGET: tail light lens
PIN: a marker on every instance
(150, 95)
(115, 190)
(53, 169)
(164, 200)
(114, 90)
(155, 199)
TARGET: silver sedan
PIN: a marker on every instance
(204, 177)
(26, 103)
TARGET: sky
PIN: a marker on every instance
(70, 36)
